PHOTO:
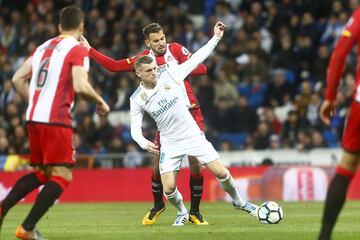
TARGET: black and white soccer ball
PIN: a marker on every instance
(270, 212)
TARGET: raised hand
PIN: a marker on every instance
(219, 29)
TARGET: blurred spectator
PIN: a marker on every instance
(274, 142)
(80, 146)
(278, 89)
(103, 132)
(132, 157)
(271, 119)
(312, 112)
(302, 100)
(7, 94)
(262, 136)
(267, 162)
(317, 140)
(243, 118)
(4, 146)
(291, 129)
(222, 121)
(225, 146)
(123, 93)
(224, 90)
(303, 141)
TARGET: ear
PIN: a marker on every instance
(59, 27)
(81, 27)
(137, 73)
(147, 43)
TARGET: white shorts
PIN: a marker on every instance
(171, 155)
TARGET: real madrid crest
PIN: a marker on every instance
(166, 87)
(144, 97)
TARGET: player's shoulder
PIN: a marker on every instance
(143, 53)
(178, 49)
(136, 93)
(355, 16)
(356, 11)
(174, 46)
(44, 45)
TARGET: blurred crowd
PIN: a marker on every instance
(264, 84)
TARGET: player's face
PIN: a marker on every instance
(148, 74)
(157, 42)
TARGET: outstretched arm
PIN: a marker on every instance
(200, 70)
(122, 65)
(180, 72)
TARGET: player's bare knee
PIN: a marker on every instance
(222, 174)
(168, 189)
(64, 172)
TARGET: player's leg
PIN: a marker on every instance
(337, 190)
(28, 182)
(223, 175)
(174, 197)
(157, 190)
(196, 175)
(60, 179)
(57, 162)
(336, 194)
(156, 185)
(22, 187)
(196, 189)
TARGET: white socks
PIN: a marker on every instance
(229, 186)
(176, 199)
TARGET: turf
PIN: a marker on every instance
(123, 221)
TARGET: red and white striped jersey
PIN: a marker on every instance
(51, 93)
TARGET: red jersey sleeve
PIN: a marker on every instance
(122, 65)
(78, 56)
(344, 45)
(182, 54)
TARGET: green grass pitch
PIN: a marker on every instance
(123, 221)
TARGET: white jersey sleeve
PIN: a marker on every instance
(180, 72)
(136, 115)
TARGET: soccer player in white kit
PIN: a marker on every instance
(160, 94)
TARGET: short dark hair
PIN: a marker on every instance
(143, 60)
(71, 17)
(151, 28)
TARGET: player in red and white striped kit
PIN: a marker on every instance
(58, 69)
(346, 169)
(165, 55)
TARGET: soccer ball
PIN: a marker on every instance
(270, 212)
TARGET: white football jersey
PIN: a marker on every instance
(166, 103)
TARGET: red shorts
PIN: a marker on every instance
(351, 136)
(198, 117)
(51, 145)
